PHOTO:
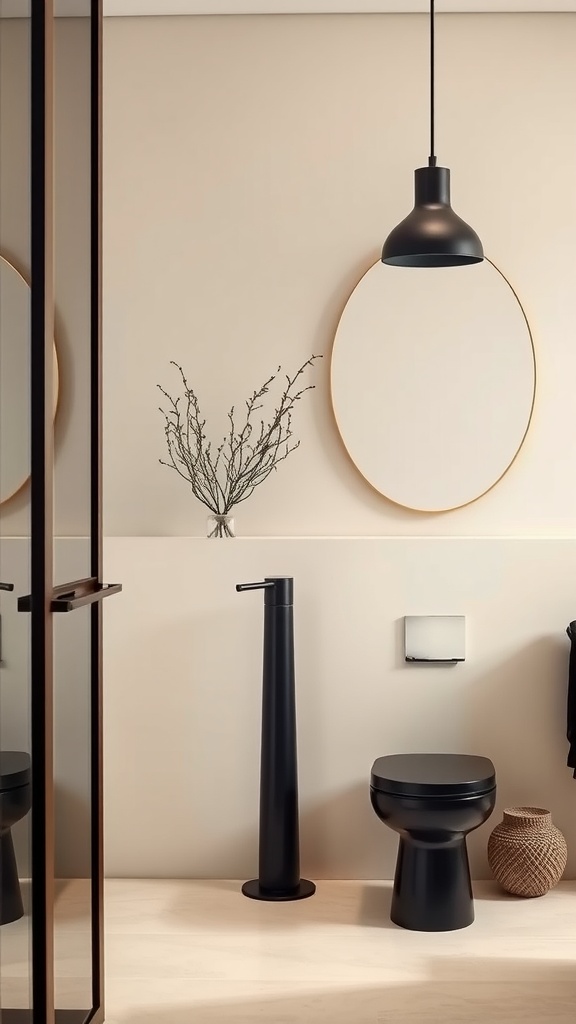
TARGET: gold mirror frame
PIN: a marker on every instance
(9, 497)
(472, 501)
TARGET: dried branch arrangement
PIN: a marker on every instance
(223, 476)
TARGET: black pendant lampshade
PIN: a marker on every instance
(432, 235)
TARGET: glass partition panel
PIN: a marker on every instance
(73, 934)
(73, 974)
(50, 519)
(15, 675)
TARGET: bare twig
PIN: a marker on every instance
(224, 477)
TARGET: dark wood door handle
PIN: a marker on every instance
(69, 596)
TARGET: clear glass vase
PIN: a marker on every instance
(220, 526)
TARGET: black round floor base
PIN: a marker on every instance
(254, 891)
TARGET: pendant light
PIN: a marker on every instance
(432, 235)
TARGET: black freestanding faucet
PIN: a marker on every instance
(279, 845)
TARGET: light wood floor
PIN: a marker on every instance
(198, 952)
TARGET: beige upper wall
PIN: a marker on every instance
(253, 167)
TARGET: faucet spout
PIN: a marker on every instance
(255, 586)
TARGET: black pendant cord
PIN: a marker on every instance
(432, 235)
(432, 157)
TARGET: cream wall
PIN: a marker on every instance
(253, 167)
(183, 689)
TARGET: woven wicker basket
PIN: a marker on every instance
(526, 852)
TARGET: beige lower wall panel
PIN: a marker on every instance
(183, 679)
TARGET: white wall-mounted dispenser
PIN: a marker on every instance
(435, 638)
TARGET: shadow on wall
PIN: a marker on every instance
(518, 719)
(344, 830)
(73, 827)
(337, 830)
(340, 831)
(463, 990)
(73, 836)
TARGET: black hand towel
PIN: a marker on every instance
(571, 732)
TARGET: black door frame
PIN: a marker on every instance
(41, 506)
(96, 524)
(43, 601)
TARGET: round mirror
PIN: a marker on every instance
(433, 382)
(15, 381)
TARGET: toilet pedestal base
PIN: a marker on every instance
(254, 891)
(432, 886)
(11, 908)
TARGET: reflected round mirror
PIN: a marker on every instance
(15, 381)
(433, 382)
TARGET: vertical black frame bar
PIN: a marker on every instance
(96, 525)
(41, 500)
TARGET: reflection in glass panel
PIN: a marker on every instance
(15, 693)
(72, 749)
(15, 411)
(72, 909)
(72, 236)
(14, 380)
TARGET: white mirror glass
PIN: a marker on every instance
(433, 382)
(15, 381)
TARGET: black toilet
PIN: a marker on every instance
(15, 802)
(433, 801)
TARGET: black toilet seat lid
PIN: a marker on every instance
(14, 769)
(433, 775)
